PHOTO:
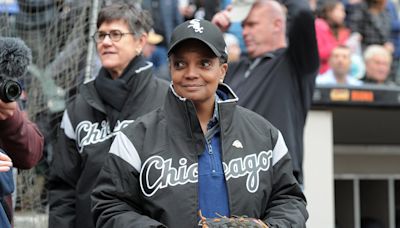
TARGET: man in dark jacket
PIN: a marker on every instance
(277, 79)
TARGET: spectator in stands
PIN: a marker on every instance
(166, 17)
(277, 80)
(148, 50)
(232, 43)
(372, 21)
(395, 38)
(339, 67)
(200, 9)
(152, 54)
(187, 9)
(377, 65)
(330, 30)
(313, 4)
(123, 90)
(235, 27)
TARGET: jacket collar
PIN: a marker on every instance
(141, 76)
(182, 118)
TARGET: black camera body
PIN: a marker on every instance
(10, 89)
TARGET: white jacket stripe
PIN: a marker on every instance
(67, 126)
(280, 149)
(123, 148)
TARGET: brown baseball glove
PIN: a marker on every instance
(231, 222)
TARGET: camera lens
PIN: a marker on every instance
(10, 90)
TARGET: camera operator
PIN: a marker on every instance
(19, 137)
(21, 140)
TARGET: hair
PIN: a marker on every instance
(139, 21)
(323, 9)
(375, 4)
(374, 50)
(342, 46)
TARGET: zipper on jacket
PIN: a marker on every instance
(212, 158)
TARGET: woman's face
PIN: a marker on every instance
(196, 72)
(337, 14)
(116, 55)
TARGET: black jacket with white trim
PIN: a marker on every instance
(84, 141)
(150, 176)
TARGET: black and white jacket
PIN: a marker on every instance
(150, 176)
(84, 141)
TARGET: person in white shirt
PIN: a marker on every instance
(339, 63)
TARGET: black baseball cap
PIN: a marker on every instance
(203, 31)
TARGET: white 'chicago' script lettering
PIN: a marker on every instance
(91, 133)
(250, 165)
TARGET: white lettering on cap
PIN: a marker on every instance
(195, 24)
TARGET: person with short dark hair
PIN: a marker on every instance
(123, 90)
(339, 69)
(200, 154)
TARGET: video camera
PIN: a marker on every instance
(10, 89)
(15, 57)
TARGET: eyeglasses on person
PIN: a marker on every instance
(115, 35)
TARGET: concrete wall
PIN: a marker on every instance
(318, 169)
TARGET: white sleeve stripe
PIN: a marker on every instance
(123, 148)
(67, 126)
(280, 149)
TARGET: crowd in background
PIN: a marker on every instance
(370, 29)
(358, 40)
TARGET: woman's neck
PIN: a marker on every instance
(204, 112)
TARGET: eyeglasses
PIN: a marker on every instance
(115, 35)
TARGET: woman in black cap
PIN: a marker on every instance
(200, 152)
